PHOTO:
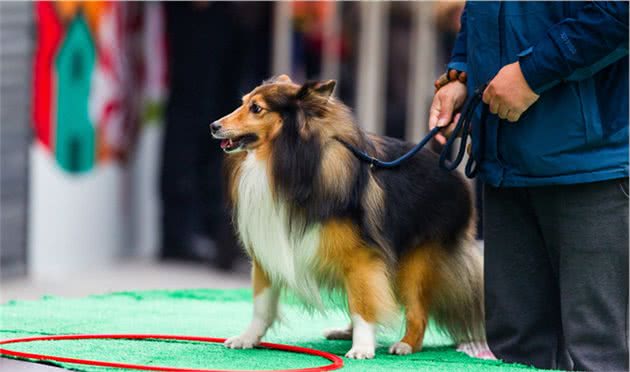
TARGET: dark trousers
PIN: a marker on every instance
(556, 275)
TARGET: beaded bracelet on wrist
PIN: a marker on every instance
(451, 75)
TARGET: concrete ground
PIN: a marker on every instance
(127, 275)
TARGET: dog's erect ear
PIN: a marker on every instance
(325, 88)
(283, 79)
(320, 88)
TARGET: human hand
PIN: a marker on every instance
(508, 93)
(446, 101)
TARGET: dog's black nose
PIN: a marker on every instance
(214, 127)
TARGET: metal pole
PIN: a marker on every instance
(423, 60)
(330, 55)
(371, 76)
(282, 31)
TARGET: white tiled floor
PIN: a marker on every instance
(128, 275)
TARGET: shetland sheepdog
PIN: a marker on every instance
(313, 217)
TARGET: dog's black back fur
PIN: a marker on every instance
(422, 201)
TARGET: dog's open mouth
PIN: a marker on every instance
(237, 143)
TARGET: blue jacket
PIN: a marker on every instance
(575, 55)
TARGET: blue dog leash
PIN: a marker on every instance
(463, 128)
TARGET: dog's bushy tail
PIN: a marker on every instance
(458, 303)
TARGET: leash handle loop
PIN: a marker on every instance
(463, 129)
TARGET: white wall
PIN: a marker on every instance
(145, 217)
(75, 221)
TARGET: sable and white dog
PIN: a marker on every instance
(312, 216)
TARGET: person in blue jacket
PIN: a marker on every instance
(553, 157)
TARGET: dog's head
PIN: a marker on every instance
(276, 104)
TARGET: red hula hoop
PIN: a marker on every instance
(337, 362)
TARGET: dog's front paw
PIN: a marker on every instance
(243, 341)
(400, 348)
(361, 352)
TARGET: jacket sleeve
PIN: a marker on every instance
(576, 48)
(458, 55)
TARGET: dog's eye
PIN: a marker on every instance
(255, 108)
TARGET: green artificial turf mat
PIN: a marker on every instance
(214, 313)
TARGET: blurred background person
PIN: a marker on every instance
(215, 51)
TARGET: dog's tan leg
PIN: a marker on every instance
(363, 273)
(265, 311)
(369, 298)
(414, 282)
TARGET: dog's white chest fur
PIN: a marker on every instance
(286, 256)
